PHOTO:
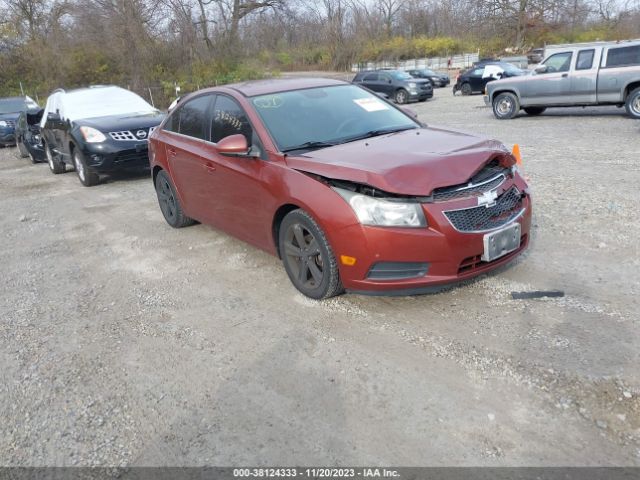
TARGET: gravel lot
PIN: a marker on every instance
(125, 342)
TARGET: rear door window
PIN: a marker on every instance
(623, 56)
(585, 59)
(372, 77)
(193, 117)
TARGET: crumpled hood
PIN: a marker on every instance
(413, 162)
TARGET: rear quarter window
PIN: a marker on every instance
(623, 56)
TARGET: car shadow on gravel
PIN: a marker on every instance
(125, 176)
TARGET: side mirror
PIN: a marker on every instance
(234, 146)
(389, 80)
(410, 111)
(541, 69)
(53, 117)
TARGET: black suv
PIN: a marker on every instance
(97, 130)
(398, 85)
(436, 79)
(476, 78)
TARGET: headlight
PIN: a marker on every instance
(413, 85)
(383, 213)
(91, 135)
(3, 123)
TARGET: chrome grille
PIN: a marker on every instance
(122, 136)
(507, 208)
(490, 177)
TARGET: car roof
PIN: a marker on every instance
(277, 85)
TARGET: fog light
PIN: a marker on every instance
(347, 260)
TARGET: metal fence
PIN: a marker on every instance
(437, 63)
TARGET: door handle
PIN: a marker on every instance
(565, 75)
(210, 167)
(171, 152)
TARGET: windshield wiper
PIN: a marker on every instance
(377, 133)
(308, 146)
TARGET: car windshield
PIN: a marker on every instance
(401, 75)
(326, 116)
(428, 72)
(11, 105)
(103, 102)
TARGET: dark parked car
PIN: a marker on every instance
(28, 138)
(348, 189)
(436, 79)
(475, 79)
(535, 55)
(97, 130)
(10, 109)
(398, 85)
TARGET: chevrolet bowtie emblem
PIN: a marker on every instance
(488, 199)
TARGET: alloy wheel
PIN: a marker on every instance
(635, 106)
(50, 158)
(504, 106)
(79, 167)
(304, 256)
(167, 199)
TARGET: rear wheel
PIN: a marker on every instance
(633, 103)
(534, 110)
(401, 96)
(87, 177)
(505, 106)
(308, 257)
(466, 89)
(55, 165)
(169, 203)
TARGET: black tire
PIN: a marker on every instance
(22, 150)
(401, 96)
(505, 106)
(533, 111)
(55, 165)
(87, 177)
(307, 256)
(632, 104)
(169, 202)
(466, 89)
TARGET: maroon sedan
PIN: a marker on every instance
(350, 191)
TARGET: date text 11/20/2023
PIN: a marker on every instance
(315, 473)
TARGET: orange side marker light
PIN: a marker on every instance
(347, 260)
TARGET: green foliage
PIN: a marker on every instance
(402, 48)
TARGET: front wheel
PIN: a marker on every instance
(55, 165)
(534, 110)
(308, 257)
(505, 106)
(22, 150)
(633, 103)
(87, 177)
(401, 96)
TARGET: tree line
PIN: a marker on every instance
(150, 46)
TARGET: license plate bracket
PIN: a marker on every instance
(498, 244)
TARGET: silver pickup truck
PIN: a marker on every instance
(581, 74)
